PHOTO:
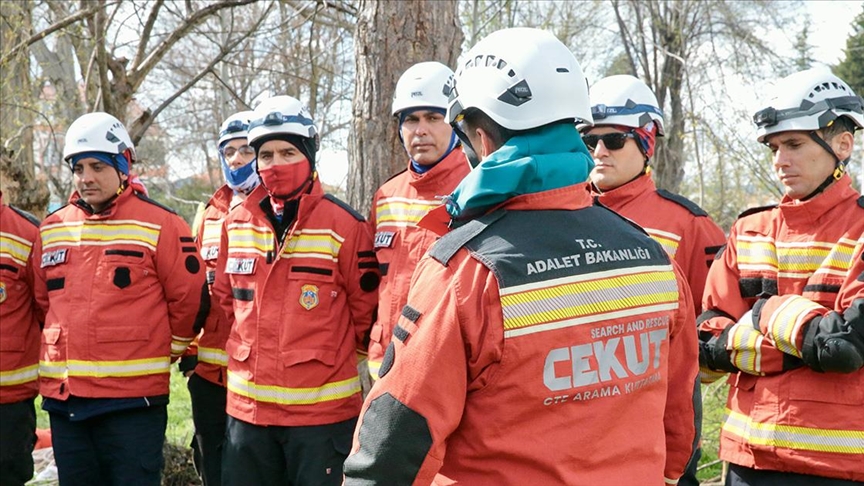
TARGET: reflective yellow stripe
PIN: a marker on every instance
(104, 369)
(793, 437)
(402, 212)
(756, 253)
(246, 238)
(214, 356)
(745, 345)
(100, 233)
(374, 369)
(707, 375)
(839, 259)
(795, 259)
(15, 248)
(19, 376)
(212, 232)
(310, 243)
(669, 241)
(784, 325)
(179, 344)
(580, 299)
(293, 396)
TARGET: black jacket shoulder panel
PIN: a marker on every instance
(861, 201)
(342, 204)
(682, 201)
(155, 203)
(24, 214)
(758, 209)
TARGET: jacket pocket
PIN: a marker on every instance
(50, 339)
(13, 343)
(122, 334)
(298, 356)
(843, 389)
(239, 351)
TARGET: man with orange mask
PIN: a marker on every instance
(206, 362)
(436, 165)
(122, 286)
(784, 302)
(298, 280)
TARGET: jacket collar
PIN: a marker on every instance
(436, 176)
(625, 193)
(803, 214)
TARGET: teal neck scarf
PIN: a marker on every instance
(547, 158)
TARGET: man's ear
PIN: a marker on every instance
(843, 144)
(486, 146)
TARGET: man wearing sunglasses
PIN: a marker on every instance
(627, 122)
(545, 340)
(784, 302)
(205, 362)
(436, 164)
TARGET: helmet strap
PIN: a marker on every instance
(839, 166)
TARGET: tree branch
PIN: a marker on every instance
(51, 29)
(138, 72)
(146, 119)
(148, 29)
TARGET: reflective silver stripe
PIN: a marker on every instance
(293, 396)
(213, 356)
(19, 376)
(794, 437)
(137, 367)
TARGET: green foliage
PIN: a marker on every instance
(851, 69)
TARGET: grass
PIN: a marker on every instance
(180, 428)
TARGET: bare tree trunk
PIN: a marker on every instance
(391, 36)
(18, 180)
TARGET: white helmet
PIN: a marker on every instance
(426, 84)
(522, 78)
(808, 100)
(624, 100)
(235, 126)
(280, 115)
(97, 132)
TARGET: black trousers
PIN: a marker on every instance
(122, 448)
(292, 456)
(744, 476)
(17, 438)
(209, 417)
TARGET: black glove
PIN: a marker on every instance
(835, 344)
(713, 354)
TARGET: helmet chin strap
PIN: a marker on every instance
(839, 166)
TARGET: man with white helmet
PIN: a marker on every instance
(122, 285)
(542, 331)
(784, 303)
(207, 357)
(436, 165)
(297, 277)
(627, 122)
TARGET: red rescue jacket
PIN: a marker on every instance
(797, 421)
(212, 359)
(122, 290)
(684, 229)
(19, 316)
(513, 363)
(300, 308)
(399, 243)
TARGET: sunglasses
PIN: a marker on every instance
(230, 152)
(612, 141)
